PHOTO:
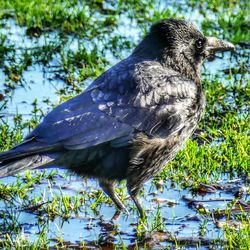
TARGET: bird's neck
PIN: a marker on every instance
(151, 49)
(182, 64)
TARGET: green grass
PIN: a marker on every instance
(80, 41)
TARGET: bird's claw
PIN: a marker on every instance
(117, 214)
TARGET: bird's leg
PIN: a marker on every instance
(109, 188)
(134, 195)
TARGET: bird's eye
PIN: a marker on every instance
(199, 43)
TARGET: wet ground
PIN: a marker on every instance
(190, 205)
(189, 216)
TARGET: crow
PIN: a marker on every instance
(132, 120)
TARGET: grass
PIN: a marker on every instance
(74, 42)
(238, 239)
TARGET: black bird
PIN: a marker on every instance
(132, 120)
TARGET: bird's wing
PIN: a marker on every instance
(161, 105)
(130, 97)
(172, 97)
(81, 121)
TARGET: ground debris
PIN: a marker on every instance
(191, 201)
(169, 202)
(155, 237)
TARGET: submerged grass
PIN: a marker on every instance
(75, 42)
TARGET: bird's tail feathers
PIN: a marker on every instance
(30, 162)
(26, 148)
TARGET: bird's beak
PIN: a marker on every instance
(216, 45)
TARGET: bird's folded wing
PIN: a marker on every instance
(82, 121)
(79, 123)
(117, 105)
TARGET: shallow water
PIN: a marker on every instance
(180, 210)
(179, 216)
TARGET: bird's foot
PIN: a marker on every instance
(117, 214)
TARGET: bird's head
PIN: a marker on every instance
(180, 45)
